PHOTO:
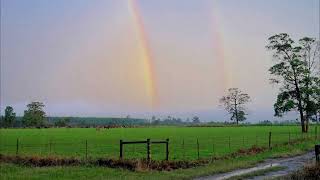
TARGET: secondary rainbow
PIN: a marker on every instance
(224, 66)
(145, 53)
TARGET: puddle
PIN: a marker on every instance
(290, 165)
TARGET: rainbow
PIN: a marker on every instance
(224, 66)
(145, 54)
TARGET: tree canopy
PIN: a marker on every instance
(234, 102)
(34, 116)
(296, 70)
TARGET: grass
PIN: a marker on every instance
(12, 171)
(310, 171)
(105, 143)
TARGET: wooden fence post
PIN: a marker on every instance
(317, 152)
(198, 148)
(316, 132)
(50, 144)
(184, 152)
(229, 144)
(269, 140)
(243, 142)
(167, 149)
(17, 147)
(148, 150)
(289, 139)
(213, 152)
(121, 149)
(86, 149)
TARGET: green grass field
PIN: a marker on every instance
(14, 171)
(105, 143)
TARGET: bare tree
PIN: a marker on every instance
(234, 102)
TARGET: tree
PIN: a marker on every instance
(195, 120)
(234, 102)
(9, 117)
(294, 70)
(62, 122)
(34, 116)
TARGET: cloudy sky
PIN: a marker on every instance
(143, 57)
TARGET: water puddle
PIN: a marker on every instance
(290, 165)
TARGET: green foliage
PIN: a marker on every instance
(296, 71)
(9, 117)
(62, 122)
(241, 116)
(234, 102)
(34, 116)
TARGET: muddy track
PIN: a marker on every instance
(290, 165)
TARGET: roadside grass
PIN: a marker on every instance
(310, 171)
(12, 171)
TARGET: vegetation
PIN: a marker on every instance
(234, 103)
(9, 117)
(34, 116)
(296, 70)
(182, 141)
(311, 171)
(12, 171)
(62, 122)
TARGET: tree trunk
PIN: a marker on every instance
(236, 111)
(300, 108)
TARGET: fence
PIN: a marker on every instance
(317, 152)
(148, 143)
(180, 148)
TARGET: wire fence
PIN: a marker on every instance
(179, 148)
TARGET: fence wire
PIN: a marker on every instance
(179, 148)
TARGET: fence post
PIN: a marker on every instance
(86, 149)
(269, 140)
(212, 156)
(243, 142)
(121, 149)
(50, 143)
(213, 152)
(229, 144)
(148, 150)
(167, 149)
(17, 147)
(198, 148)
(316, 132)
(317, 152)
(289, 139)
(256, 140)
(184, 152)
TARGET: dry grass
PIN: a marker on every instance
(130, 164)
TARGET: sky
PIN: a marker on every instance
(143, 57)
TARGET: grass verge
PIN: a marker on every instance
(14, 171)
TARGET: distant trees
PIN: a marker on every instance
(297, 71)
(234, 102)
(9, 117)
(195, 120)
(34, 116)
(62, 122)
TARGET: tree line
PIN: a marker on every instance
(35, 116)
